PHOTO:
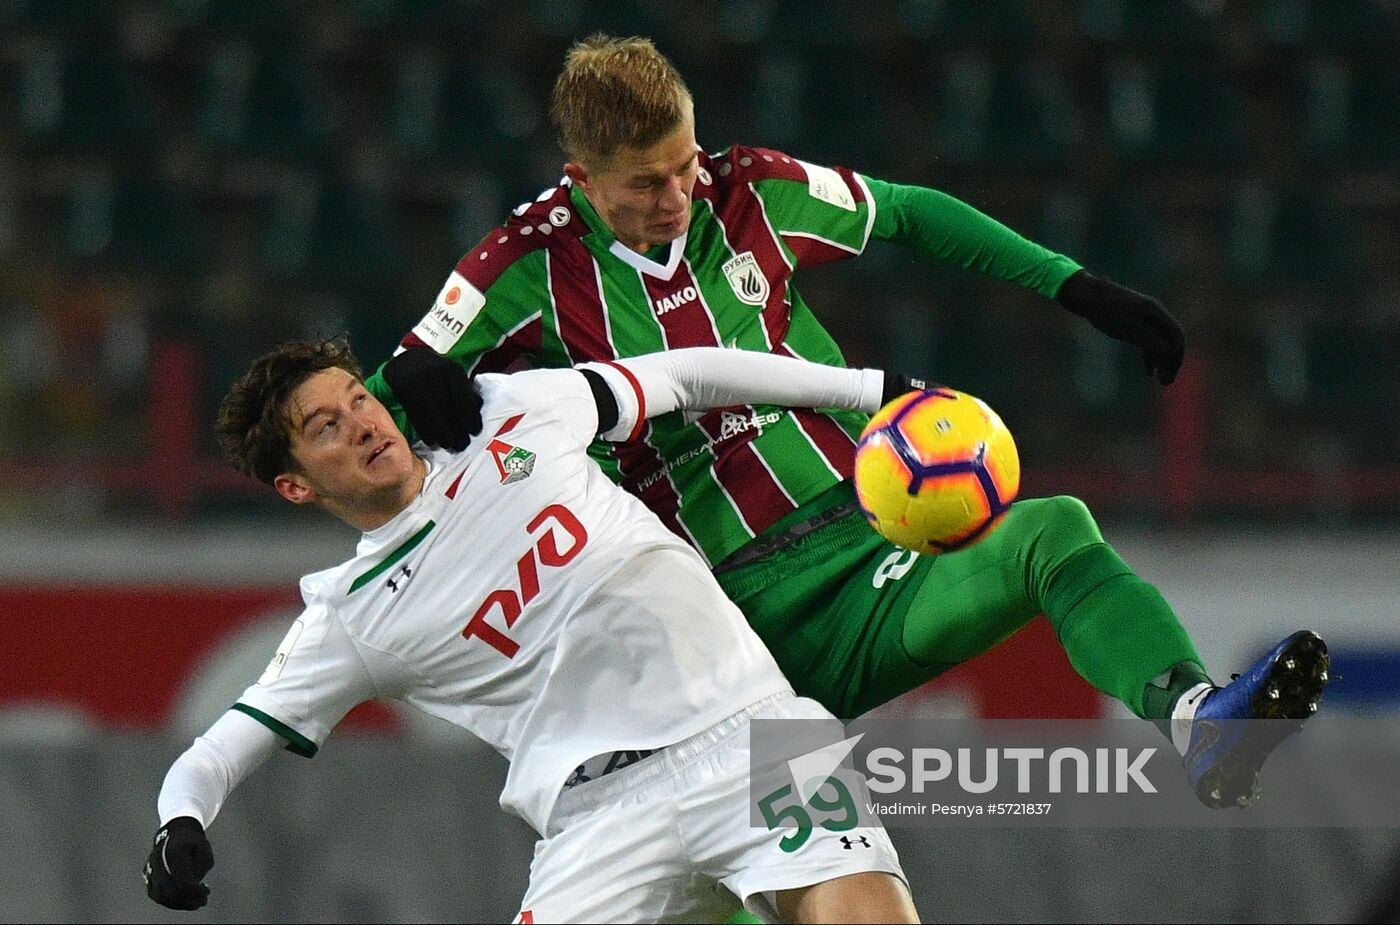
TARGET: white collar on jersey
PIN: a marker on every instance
(647, 265)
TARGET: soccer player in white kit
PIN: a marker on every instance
(513, 590)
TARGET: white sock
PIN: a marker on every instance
(1184, 713)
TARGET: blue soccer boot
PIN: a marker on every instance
(1225, 753)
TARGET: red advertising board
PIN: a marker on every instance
(123, 655)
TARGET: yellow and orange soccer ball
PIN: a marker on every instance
(936, 470)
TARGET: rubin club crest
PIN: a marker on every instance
(745, 278)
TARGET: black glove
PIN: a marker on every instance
(179, 860)
(1128, 316)
(438, 396)
(897, 384)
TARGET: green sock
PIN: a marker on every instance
(743, 917)
(1119, 632)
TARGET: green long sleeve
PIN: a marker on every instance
(951, 231)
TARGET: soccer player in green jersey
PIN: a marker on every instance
(650, 244)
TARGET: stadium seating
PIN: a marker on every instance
(80, 97)
(1180, 115)
(344, 155)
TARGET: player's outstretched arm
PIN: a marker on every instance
(445, 407)
(700, 378)
(945, 229)
(193, 792)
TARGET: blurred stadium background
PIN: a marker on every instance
(184, 183)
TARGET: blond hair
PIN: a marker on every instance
(616, 93)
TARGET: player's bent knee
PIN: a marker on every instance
(1064, 523)
(872, 896)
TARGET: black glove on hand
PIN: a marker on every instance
(896, 384)
(179, 860)
(1128, 316)
(438, 396)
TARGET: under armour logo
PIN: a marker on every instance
(851, 842)
(403, 574)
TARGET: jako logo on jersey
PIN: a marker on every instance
(512, 462)
(674, 301)
(745, 278)
(527, 573)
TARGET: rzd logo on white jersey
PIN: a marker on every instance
(746, 279)
(527, 573)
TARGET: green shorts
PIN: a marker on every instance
(831, 607)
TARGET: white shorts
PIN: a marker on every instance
(669, 839)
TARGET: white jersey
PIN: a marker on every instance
(525, 597)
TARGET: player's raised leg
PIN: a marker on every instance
(855, 621)
(924, 614)
(1048, 556)
(1122, 636)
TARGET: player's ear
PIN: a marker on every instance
(295, 488)
(577, 173)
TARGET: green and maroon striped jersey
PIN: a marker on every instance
(554, 287)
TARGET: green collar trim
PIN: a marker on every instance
(404, 549)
